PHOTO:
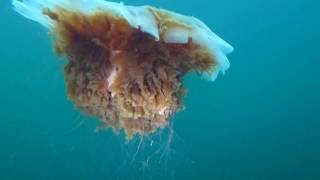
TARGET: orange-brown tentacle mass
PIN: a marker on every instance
(121, 74)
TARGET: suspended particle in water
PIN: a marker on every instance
(125, 63)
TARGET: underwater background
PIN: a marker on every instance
(258, 121)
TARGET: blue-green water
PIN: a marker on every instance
(259, 121)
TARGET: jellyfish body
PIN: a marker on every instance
(125, 63)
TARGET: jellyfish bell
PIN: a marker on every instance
(125, 63)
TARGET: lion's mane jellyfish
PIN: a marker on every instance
(125, 63)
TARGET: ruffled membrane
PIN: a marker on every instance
(125, 63)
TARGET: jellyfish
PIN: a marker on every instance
(125, 64)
